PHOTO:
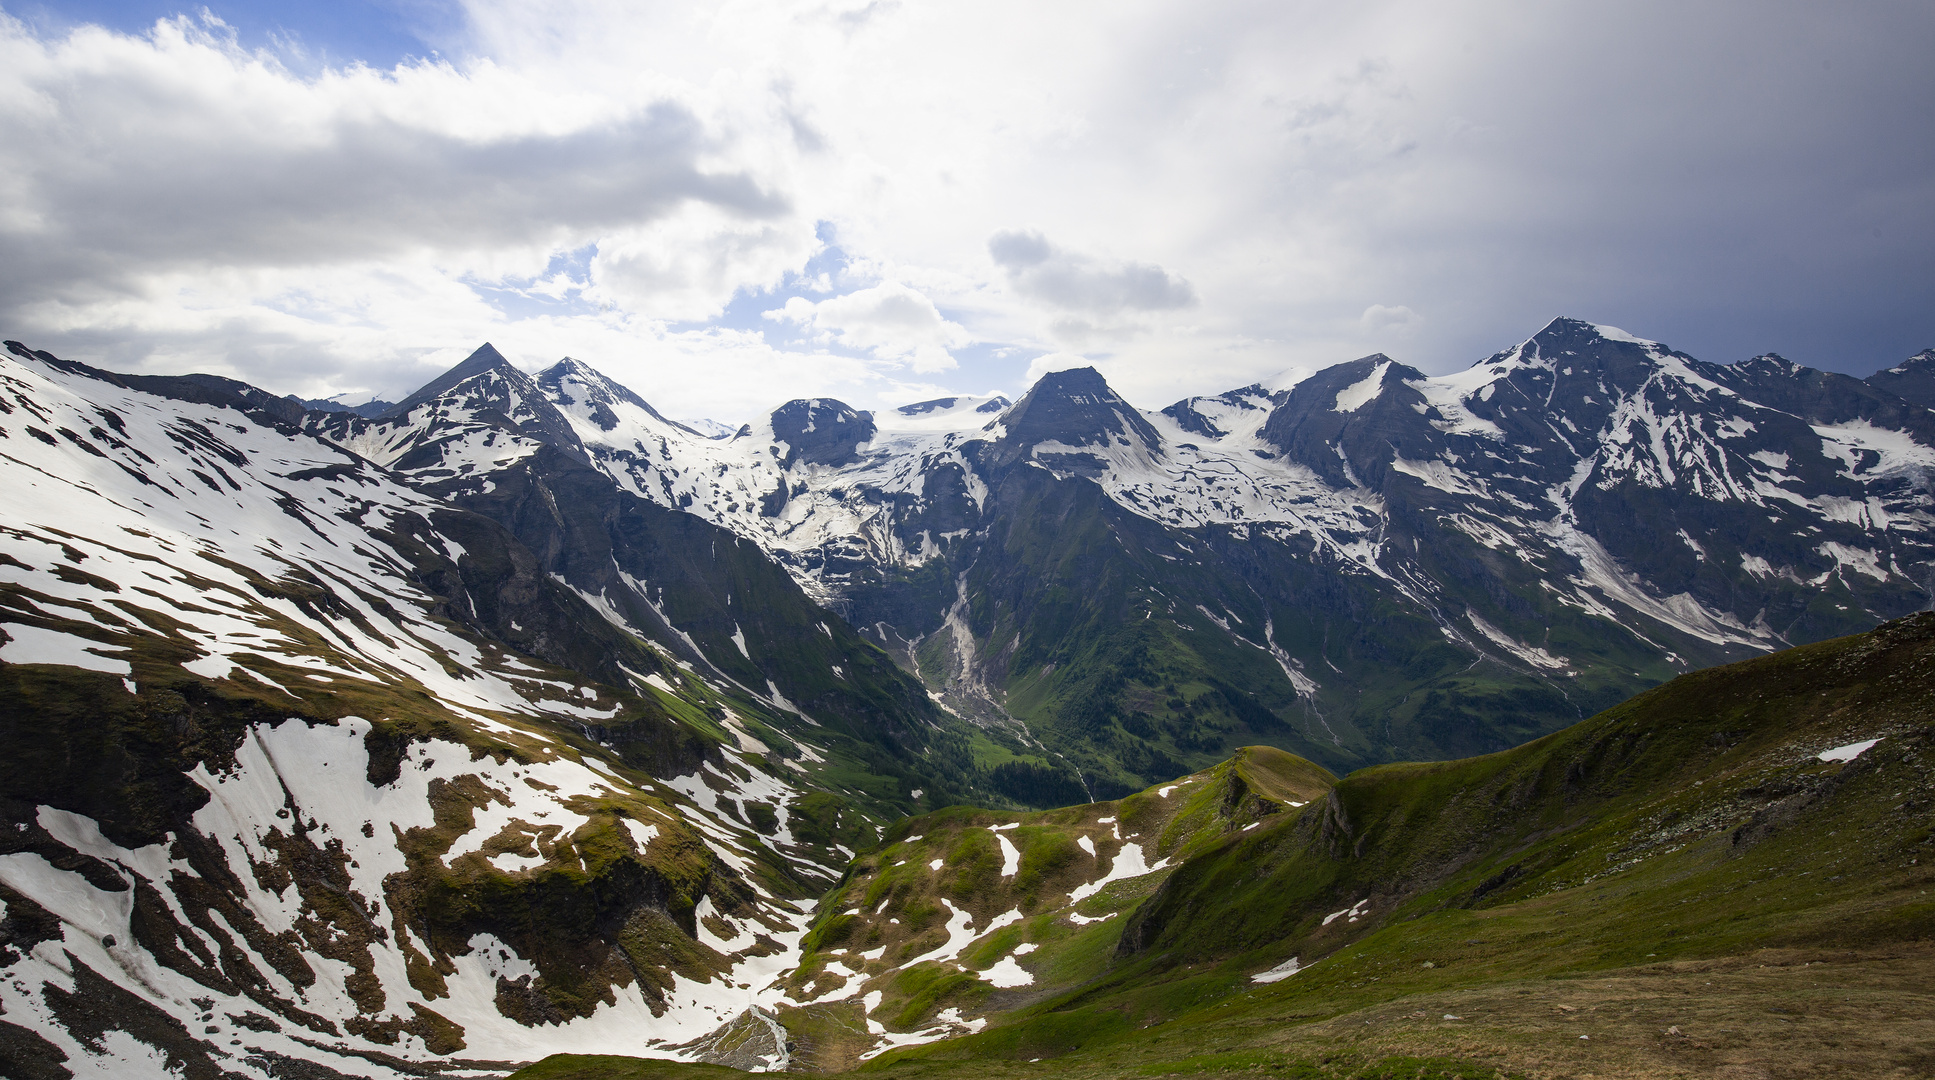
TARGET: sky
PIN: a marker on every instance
(727, 205)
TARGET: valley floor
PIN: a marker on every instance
(1768, 1015)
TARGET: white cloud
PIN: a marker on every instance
(1380, 318)
(1217, 190)
(1055, 361)
(889, 320)
(686, 267)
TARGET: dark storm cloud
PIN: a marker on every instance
(1728, 178)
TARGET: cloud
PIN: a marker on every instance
(687, 267)
(1215, 191)
(1047, 363)
(178, 149)
(889, 320)
(1378, 318)
(1069, 281)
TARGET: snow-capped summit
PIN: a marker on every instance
(584, 392)
(1074, 410)
(966, 412)
(1912, 380)
(485, 358)
(1584, 505)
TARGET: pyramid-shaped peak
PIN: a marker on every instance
(571, 383)
(1568, 342)
(1349, 386)
(486, 358)
(576, 370)
(1566, 332)
(1076, 407)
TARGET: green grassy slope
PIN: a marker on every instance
(1047, 893)
(1682, 880)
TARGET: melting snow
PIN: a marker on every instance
(1849, 752)
(1355, 911)
(1007, 973)
(1279, 973)
(1128, 863)
(34, 645)
(1355, 396)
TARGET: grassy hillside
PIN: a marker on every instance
(964, 914)
(1679, 886)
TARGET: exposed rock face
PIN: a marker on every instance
(820, 431)
(1073, 410)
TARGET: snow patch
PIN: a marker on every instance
(1279, 973)
(1129, 863)
(36, 645)
(1849, 752)
(1358, 394)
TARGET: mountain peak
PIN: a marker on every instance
(1911, 380)
(580, 389)
(486, 358)
(1567, 334)
(591, 382)
(1076, 407)
(1768, 364)
(821, 430)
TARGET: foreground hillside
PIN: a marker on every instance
(1728, 875)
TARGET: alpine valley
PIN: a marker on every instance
(516, 723)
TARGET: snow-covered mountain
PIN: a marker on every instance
(521, 717)
(1572, 519)
(308, 765)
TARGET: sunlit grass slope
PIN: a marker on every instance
(1678, 886)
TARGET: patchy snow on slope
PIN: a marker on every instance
(1279, 973)
(1892, 451)
(36, 645)
(1355, 396)
(1354, 912)
(1536, 657)
(1849, 752)
(1128, 863)
(1007, 973)
(313, 777)
(1010, 856)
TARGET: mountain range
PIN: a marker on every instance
(1369, 565)
(516, 718)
